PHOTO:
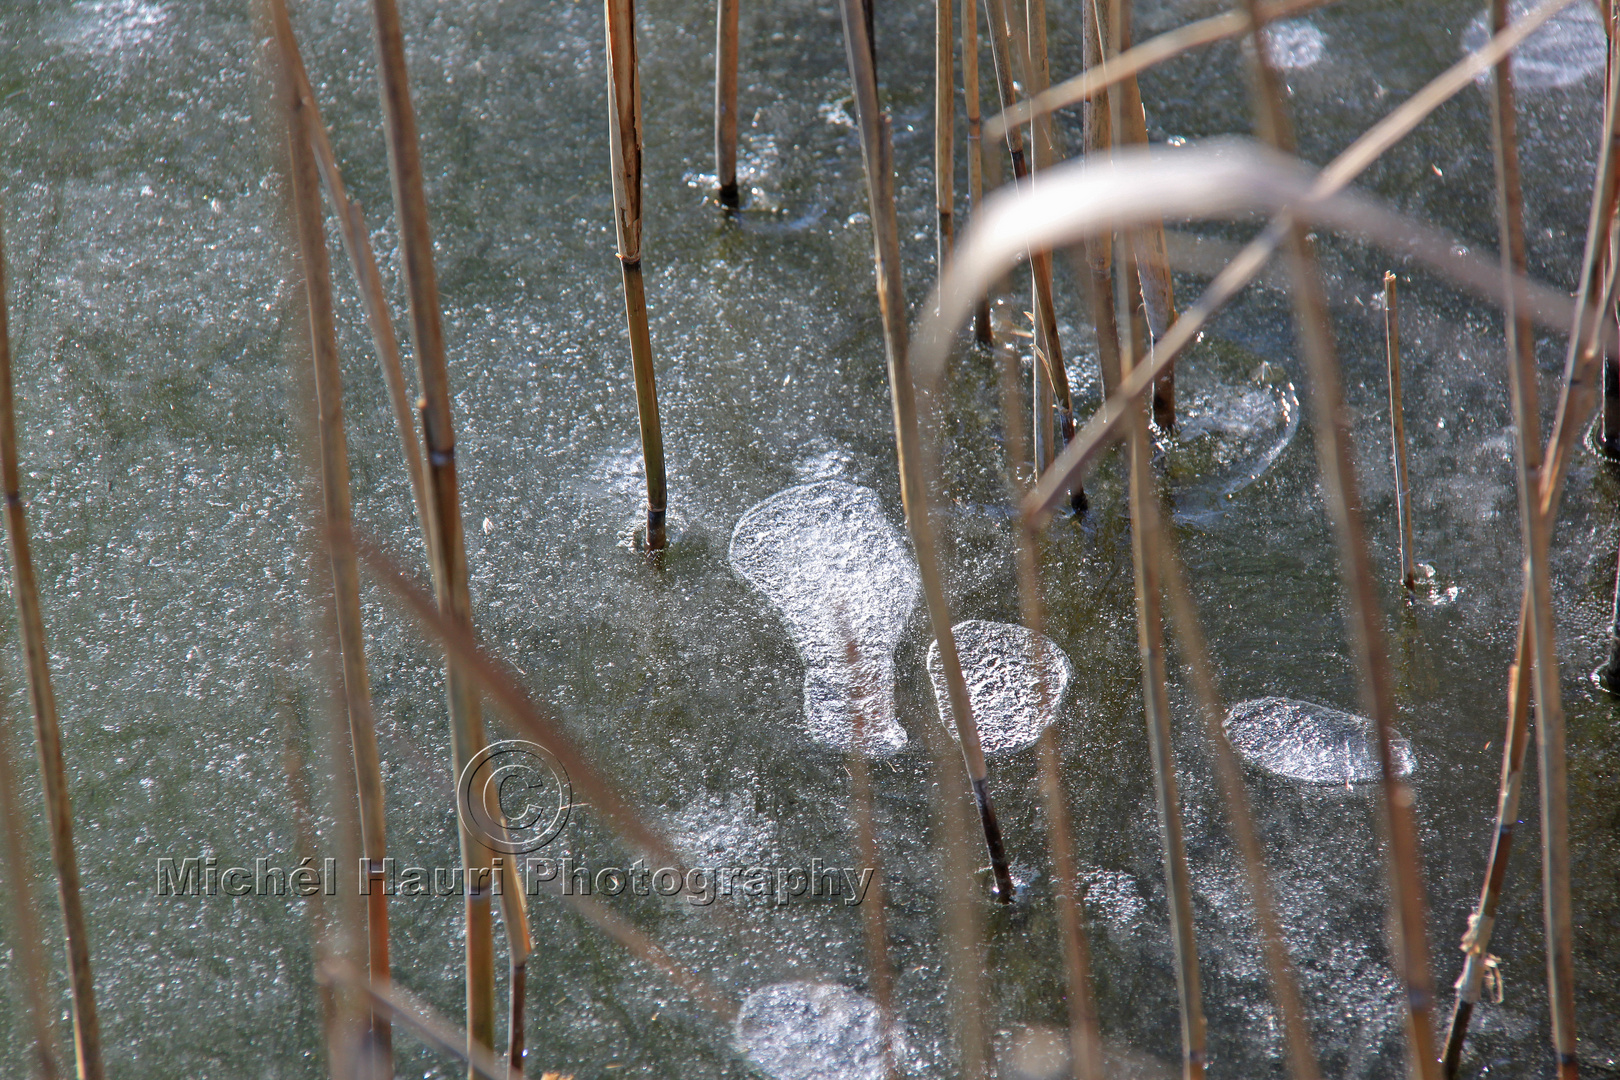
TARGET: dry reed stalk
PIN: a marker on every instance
(1397, 431)
(394, 1001)
(1481, 923)
(519, 947)
(362, 260)
(872, 916)
(1574, 407)
(975, 147)
(448, 554)
(32, 981)
(1302, 1063)
(727, 14)
(491, 676)
(1096, 271)
(1166, 46)
(1145, 542)
(47, 727)
(1152, 259)
(336, 509)
(944, 126)
(1334, 178)
(1336, 463)
(1085, 1041)
(624, 136)
(877, 153)
(1009, 48)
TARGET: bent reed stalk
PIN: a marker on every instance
(447, 547)
(337, 513)
(624, 138)
(47, 726)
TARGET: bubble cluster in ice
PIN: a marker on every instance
(1246, 429)
(1005, 671)
(1564, 50)
(842, 577)
(1294, 44)
(1304, 741)
(805, 1031)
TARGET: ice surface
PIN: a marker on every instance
(1304, 741)
(805, 1031)
(1294, 44)
(1566, 49)
(840, 574)
(1004, 670)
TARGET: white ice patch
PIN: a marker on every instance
(1294, 44)
(841, 575)
(1300, 740)
(1561, 52)
(1015, 686)
(807, 1031)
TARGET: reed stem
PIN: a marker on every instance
(725, 100)
(1085, 1041)
(975, 151)
(444, 500)
(872, 914)
(944, 127)
(1145, 541)
(1302, 1063)
(1536, 534)
(363, 261)
(47, 727)
(27, 937)
(1397, 431)
(1336, 462)
(624, 136)
(338, 514)
(878, 155)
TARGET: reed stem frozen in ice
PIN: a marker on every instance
(727, 14)
(1397, 431)
(447, 547)
(47, 726)
(337, 511)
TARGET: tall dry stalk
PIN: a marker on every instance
(877, 151)
(1085, 1040)
(27, 937)
(447, 549)
(362, 260)
(944, 126)
(338, 514)
(975, 144)
(1583, 365)
(624, 137)
(1302, 1063)
(47, 728)
(1336, 463)
(727, 14)
(1009, 48)
(1397, 431)
(1156, 703)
